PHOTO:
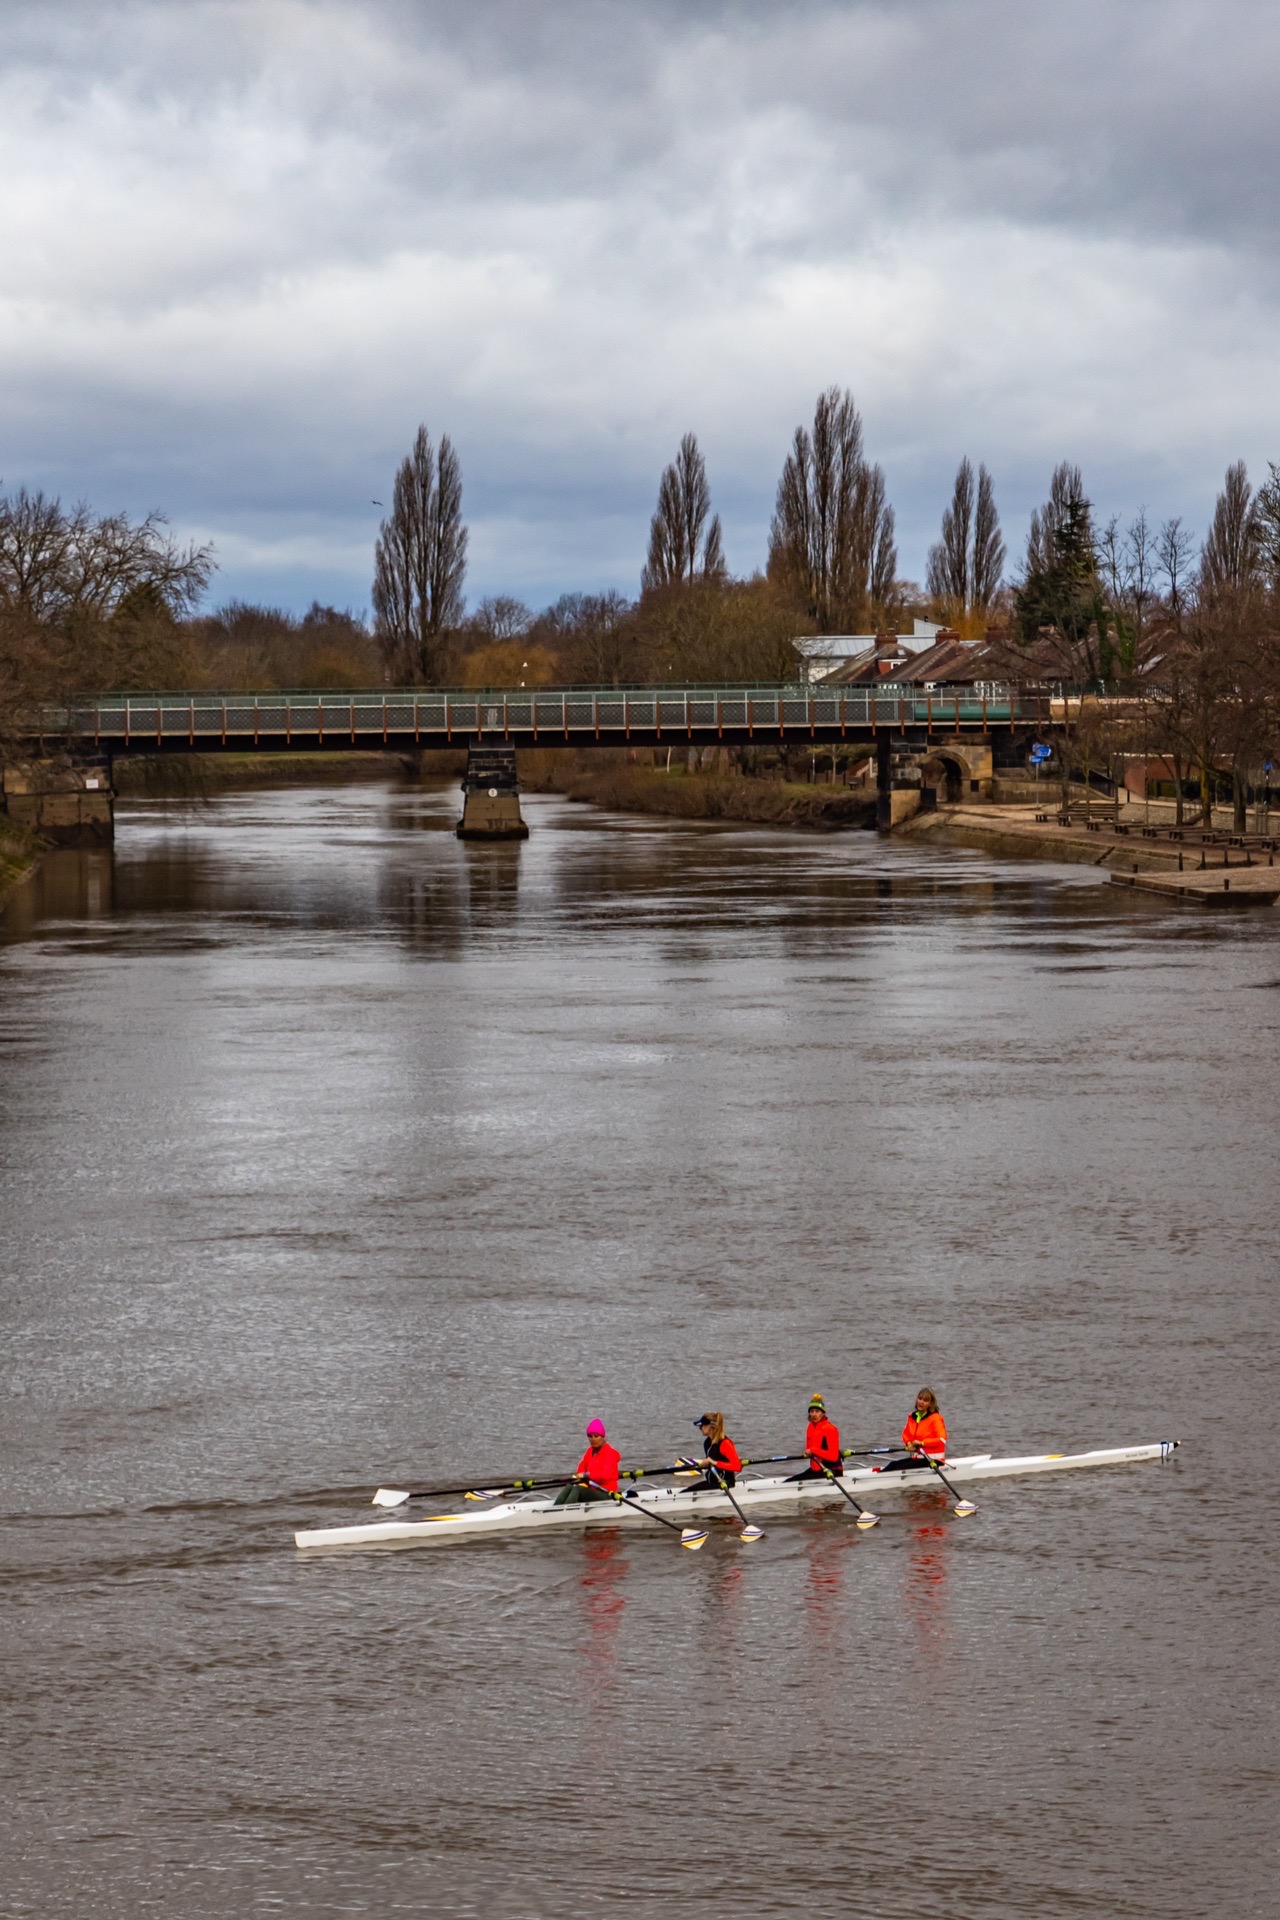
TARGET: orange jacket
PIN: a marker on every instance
(929, 1433)
(600, 1464)
(822, 1444)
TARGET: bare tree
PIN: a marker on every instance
(594, 636)
(500, 616)
(57, 566)
(1231, 558)
(1129, 564)
(949, 577)
(89, 602)
(685, 541)
(831, 544)
(1266, 507)
(988, 547)
(1174, 548)
(420, 562)
(966, 564)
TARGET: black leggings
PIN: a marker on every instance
(814, 1473)
(900, 1466)
(578, 1496)
(710, 1484)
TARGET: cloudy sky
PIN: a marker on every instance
(247, 245)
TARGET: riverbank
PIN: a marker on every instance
(195, 775)
(1162, 867)
(20, 853)
(625, 787)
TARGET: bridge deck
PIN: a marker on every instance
(399, 719)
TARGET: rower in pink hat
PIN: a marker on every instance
(597, 1473)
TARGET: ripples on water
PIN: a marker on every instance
(333, 1151)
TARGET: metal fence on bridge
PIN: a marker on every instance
(396, 719)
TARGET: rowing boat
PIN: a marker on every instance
(764, 1495)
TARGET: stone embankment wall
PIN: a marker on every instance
(63, 801)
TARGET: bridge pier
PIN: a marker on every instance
(67, 800)
(491, 796)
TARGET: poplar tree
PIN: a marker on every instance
(831, 542)
(966, 564)
(684, 535)
(420, 562)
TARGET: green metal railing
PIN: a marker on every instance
(136, 722)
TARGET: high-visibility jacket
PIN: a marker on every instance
(822, 1444)
(601, 1465)
(929, 1433)
(725, 1455)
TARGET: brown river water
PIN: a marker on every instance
(335, 1152)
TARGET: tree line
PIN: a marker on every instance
(93, 602)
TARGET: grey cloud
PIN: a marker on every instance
(248, 245)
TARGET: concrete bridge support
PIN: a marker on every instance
(491, 796)
(70, 802)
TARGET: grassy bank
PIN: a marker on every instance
(627, 788)
(197, 775)
(19, 852)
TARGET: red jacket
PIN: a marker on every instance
(725, 1455)
(822, 1444)
(929, 1433)
(600, 1465)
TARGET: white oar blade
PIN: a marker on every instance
(693, 1538)
(750, 1533)
(866, 1520)
(484, 1493)
(390, 1497)
(965, 1507)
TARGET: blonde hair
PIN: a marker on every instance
(927, 1393)
(716, 1431)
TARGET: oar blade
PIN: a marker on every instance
(390, 1497)
(751, 1532)
(693, 1538)
(866, 1520)
(964, 1508)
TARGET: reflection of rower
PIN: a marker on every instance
(599, 1465)
(821, 1443)
(722, 1461)
(924, 1436)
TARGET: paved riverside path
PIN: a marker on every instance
(1148, 865)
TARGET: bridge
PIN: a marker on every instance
(64, 788)
(405, 720)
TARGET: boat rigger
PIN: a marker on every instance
(674, 1503)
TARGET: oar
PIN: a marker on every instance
(397, 1496)
(865, 1519)
(691, 1537)
(750, 1531)
(962, 1507)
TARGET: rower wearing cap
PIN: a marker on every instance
(721, 1461)
(597, 1472)
(821, 1443)
(924, 1435)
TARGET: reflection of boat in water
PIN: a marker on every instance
(538, 1514)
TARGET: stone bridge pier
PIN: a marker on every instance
(910, 778)
(67, 800)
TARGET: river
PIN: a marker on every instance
(333, 1152)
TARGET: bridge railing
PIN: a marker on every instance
(528, 716)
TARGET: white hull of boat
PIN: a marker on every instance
(755, 1497)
